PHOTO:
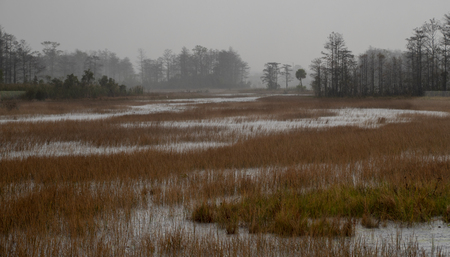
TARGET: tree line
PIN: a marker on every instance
(423, 66)
(72, 88)
(199, 68)
(20, 64)
(53, 73)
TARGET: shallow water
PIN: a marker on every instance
(369, 118)
(175, 105)
(160, 220)
(429, 236)
(233, 127)
(84, 149)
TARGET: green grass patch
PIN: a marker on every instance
(321, 212)
(11, 94)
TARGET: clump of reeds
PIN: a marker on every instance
(228, 218)
(335, 227)
(9, 105)
(446, 216)
(203, 213)
(368, 221)
(283, 222)
(172, 242)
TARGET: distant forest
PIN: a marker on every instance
(20, 64)
(424, 66)
(201, 68)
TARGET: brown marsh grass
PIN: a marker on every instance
(102, 104)
(63, 107)
(308, 186)
(23, 136)
(179, 243)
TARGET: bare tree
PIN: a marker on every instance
(51, 55)
(336, 57)
(92, 63)
(381, 58)
(431, 30)
(316, 68)
(169, 63)
(199, 54)
(2, 46)
(24, 53)
(141, 63)
(445, 49)
(415, 46)
(286, 73)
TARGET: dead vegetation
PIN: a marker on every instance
(9, 105)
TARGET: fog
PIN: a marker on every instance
(288, 31)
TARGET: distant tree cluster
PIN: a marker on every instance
(274, 70)
(72, 88)
(424, 66)
(270, 75)
(20, 64)
(199, 68)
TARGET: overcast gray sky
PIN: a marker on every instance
(285, 31)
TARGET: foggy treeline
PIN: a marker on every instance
(424, 66)
(21, 64)
(199, 68)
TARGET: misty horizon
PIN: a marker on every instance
(296, 34)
